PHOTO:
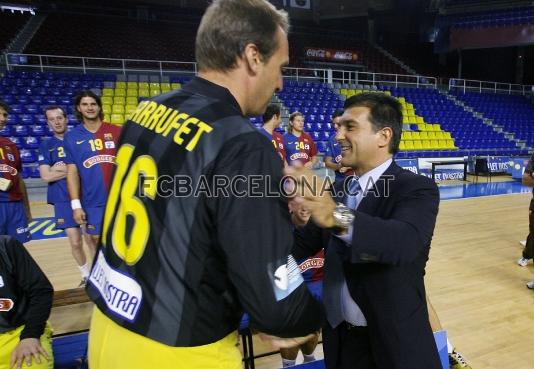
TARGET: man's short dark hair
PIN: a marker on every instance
(78, 100)
(229, 25)
(337, 113)
(385, 111)
(54, 107)
(4, 106)
(270, 112)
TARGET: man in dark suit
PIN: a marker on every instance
(376, 229)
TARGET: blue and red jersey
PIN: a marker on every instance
(312, 268)
(10, 168)
(278, 142)
(299, 149)
(94, 157)
(52, 153)
(333, 149)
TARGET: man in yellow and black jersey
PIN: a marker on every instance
(195, 230)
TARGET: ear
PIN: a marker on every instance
(385, 135)
(252, 58)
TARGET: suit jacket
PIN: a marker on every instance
(385, 264)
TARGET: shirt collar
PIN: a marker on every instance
(202, 86)
(367, 180)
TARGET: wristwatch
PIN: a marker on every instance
(343, 218)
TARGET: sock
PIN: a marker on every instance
(287, 362)
(84, 269)
(308, 358)
(449, 347)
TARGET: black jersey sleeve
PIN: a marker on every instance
(255, 234)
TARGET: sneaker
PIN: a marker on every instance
(523, 243)
(456, 361)
(522, 262)
(82, 283)
(530, 285)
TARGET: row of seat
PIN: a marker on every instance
(427, 145)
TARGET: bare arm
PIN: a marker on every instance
(528, 180)
(25, 200)
(329, 163)
(52, 174)
(73, 182)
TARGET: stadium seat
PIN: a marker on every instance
(117, 109)
(117, 119)
(119, 100)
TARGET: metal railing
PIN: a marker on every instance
(56, 63)
(470, 85)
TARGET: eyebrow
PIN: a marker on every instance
(346, 122)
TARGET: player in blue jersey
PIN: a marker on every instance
(14, 205)
(53, 170)
(332, 158)
(90, 156)
(300, 147)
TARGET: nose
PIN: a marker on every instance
(340, 134)
(279, 84)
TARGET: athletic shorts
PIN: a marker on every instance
(316, 289)
(94, 218)
(13, 221)
(114, 347)
(9, 340)
(63, 215)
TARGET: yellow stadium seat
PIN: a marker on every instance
(117, 109)
(176, 86)
(449, 144)
(447, 135)
(107, 92)
(434, 145)
(417, 145)
(431, 135)
(120, 92)
(402, 100)
(402, 146)
(425, 144)
(117, 119)
(107, 118)
(106, 109)
(154, 85)
(129, 109)
(120, 85)
(106, 100)
(165, 86)
(131, 85)
(119, 100)
(442, 144)
(164, 90)
(154, 92)
(405, 119)
(144, 85)
(423, 135)
(409, 145)
(143, 92)
(387, 93)
(428, 127)
(439, 135)
(416, 135)
(419, 119)
(436, 127)
(130, 100)
(131, 92)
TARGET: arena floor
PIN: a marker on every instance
(472, 279)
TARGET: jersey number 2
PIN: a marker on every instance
(122, 197)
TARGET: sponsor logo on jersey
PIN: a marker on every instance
(80, 142)
(109, 144)
(6, 305)
(121, 293)
(312, 263)
(299, 155)
(286, 278)
(60, 164)
(60, 221)
(4, 168)
(10, 157)
(338, 158)
(98, 159)
(22, 230)
(108, 136)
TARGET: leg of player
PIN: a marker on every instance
(75, 239)
(308, 349)
(289, 356)
(456, 361)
